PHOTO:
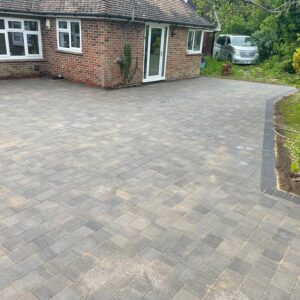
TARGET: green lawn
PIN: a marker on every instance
(290, 110)
(263, 72)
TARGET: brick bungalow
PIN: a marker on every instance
(82, 40)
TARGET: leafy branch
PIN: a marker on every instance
(265, 5)
(274, 10)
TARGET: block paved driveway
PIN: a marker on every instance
(149, 192)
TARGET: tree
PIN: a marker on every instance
(269, 6)
(274, 8)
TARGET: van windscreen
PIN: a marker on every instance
(242, 41)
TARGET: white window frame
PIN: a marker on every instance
(201, 41)
(68, 30)
(27, 56)
(165, 39)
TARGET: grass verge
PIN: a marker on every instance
(289, 119)
(290, 110)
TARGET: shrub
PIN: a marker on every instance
(296, 61)
(124, 62)
(266, 37)
(264, 43)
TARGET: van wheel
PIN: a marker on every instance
(216, 56)
(230, 58)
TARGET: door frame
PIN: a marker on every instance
(165, 33)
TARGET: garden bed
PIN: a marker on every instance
(286, 122)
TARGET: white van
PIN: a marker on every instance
(238, 49)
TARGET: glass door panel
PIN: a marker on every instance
(155, 49)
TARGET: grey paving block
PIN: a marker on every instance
(275, 294)
(200, 283)
(273, 254)
(184, 295)
(67, 294)
(104, 250)
(28, 296)
(284, 281)
(240, 266)
(5, 280)
(10, 293)
(26, 266)
(212, 240)
(284, 236)
(64, 259)
(86, 262)
(72, 273)
(51, 287)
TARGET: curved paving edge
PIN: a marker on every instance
(268, 175)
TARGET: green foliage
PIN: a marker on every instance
(125, 62)
(290, 109)
(296, 61)
(275, 34)
(266, 36)
(234, 16)
(269, 71)
(295, 167)
(293, 145)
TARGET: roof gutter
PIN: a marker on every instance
(133, 11)
(102, 16)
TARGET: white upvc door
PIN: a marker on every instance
(155, 58)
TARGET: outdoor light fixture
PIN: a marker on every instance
(174, 32)
(48, 23)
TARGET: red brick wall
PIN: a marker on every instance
(20, 69)
(102, 45)
(119, 34)
(179, 63)
(86, 67)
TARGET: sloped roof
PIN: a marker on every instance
(167, 11)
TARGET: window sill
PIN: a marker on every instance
(69, 52)
(22, 60)
(194, 53)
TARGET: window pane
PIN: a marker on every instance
(222, 40)
(33, 44)
(197, 42)
(75, 34)
(63, 25)
(2, 24)
(64, 40)
(155, 45)
(31, 25)
(190, 41)
(3, 50)
(16, 43)
(15, 24)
